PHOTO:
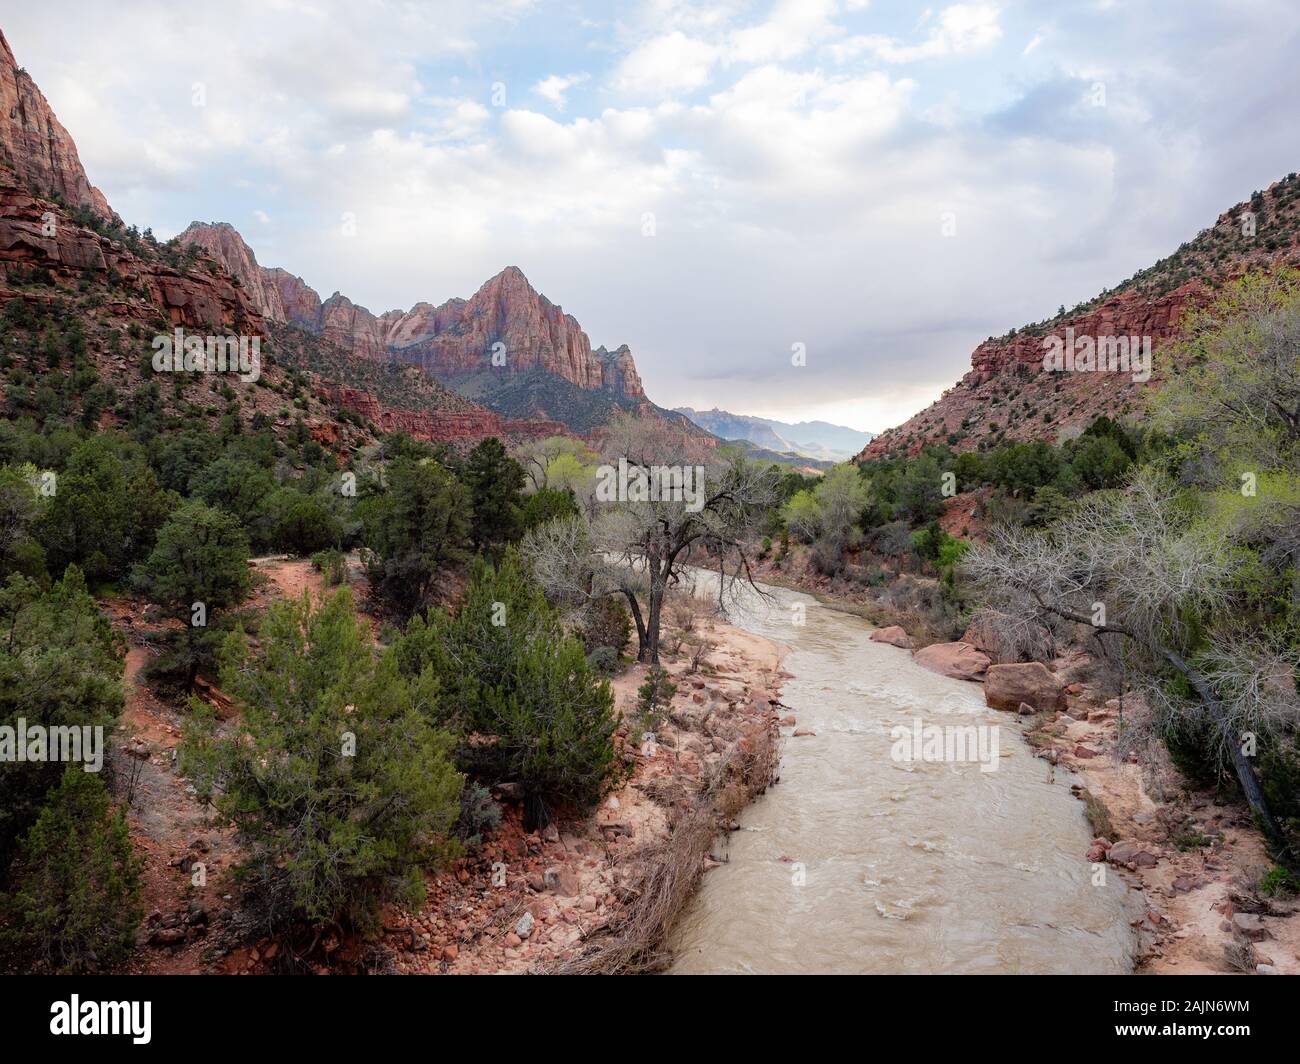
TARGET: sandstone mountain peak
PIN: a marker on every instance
(505, 329)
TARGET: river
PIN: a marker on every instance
(858, 862)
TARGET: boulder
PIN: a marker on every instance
(1131, 854)
(1007, 686)
(961, 661)
(894, 636)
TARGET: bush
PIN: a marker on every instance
(60, 665)
(547, 504)
(416, 528)
(200, 559)
(604, 660)
(519, 690)
(333, 565)
(298, 523)
(339, 787)
(608, 624)
(76, 897)
(480, 815)
(654, 697)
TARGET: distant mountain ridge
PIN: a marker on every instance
(820, 440)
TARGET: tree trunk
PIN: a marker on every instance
(658, 583)
(1246, 776)
(642, 642)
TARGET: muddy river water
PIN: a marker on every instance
(861, 861)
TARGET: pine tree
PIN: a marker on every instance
(198, 568)
(495, 481)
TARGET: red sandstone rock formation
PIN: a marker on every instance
(35, 143)
(440, 426)
(191, 298)
(224, 244)
(456, 338)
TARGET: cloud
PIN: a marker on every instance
(793, 27)
(665, 65)
(961, 28)
(554, 87)
(796, 168)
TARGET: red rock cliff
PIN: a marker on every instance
(453, 339)
(35, 143)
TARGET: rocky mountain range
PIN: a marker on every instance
(819, 440)
(506, 361)
(33, 142)
(1008, 395)
(480, 346)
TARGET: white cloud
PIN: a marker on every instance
(961, 28)
(795, 199)
(554, 87)
(668, 64)
(793, 27)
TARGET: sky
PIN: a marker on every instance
(808, 209)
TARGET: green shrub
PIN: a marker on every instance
(520, 691)
(608, 624)
(415, 529)
(604, 660)
(60, 665)
(654, 697)
(480, 815)
(76, 898)
(333, 565)
(339, 787)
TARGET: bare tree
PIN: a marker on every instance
(662, 497)
(1136, 566)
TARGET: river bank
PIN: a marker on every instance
(1194, 856)
(551, 900)
(524, 900)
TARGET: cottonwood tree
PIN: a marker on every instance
(1238, 389)
(558, 462)
(828, 514)
(1138, 566)
(638, 547)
